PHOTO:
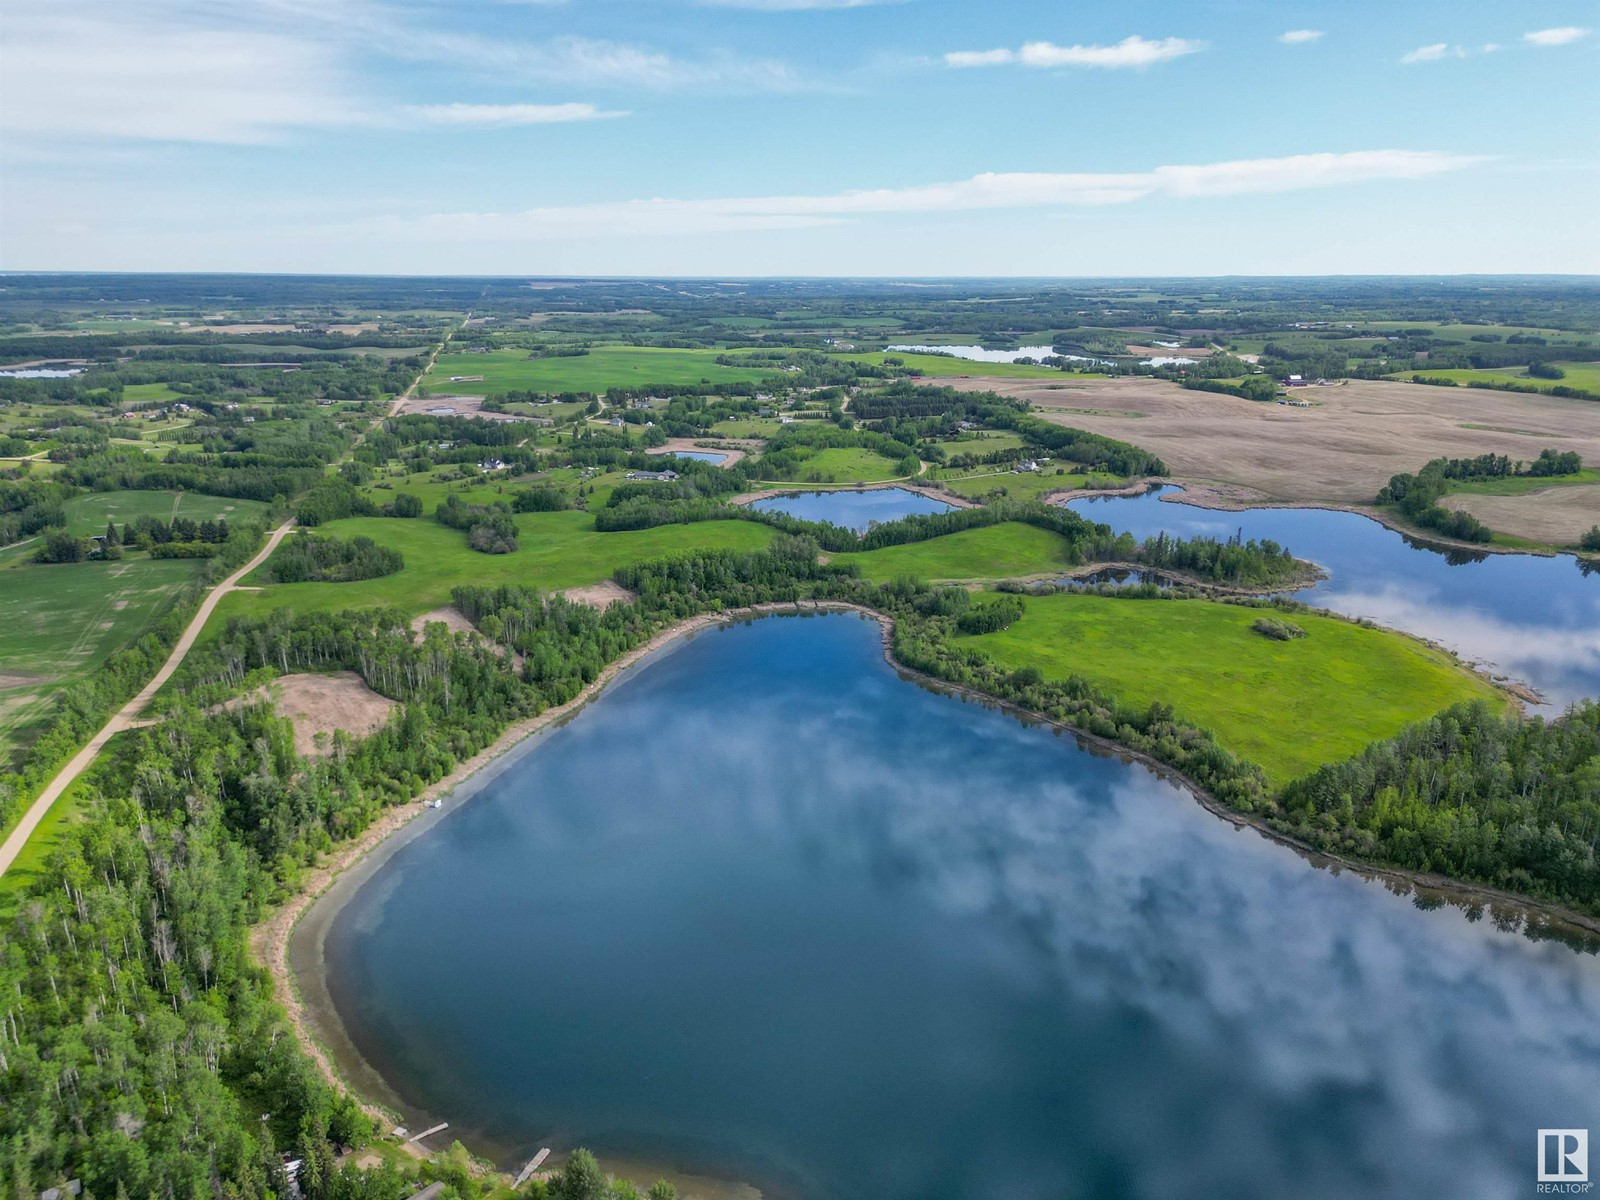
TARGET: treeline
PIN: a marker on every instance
(1500, 466)
(1417, 496)
(1472, 793)
(307, 558)
(1251, 387)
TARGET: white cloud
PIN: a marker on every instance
(507, 114)
(1433, 53)
(1134, 51)
(979, 58)
(104, 77)
(1560, 36)
(1296, 37)
(197, 71)
(987, 192)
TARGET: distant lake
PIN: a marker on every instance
(707, 456)
(769, 911)
(42, 373)
(857, 509)
(1532, 617)
(978, 353)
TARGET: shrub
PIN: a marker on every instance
(1278, 631)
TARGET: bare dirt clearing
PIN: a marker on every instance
(1558, 515)
(325, 703)
(732, 452)
(451, 406)
(447, 616)
(599, 595)
(1341, 450)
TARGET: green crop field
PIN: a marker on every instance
(944, 364)
(603, 367)
(148, 393)
(557, 550)
(89, 514)
(59, 622)
(1289, 706)
(1005, 551)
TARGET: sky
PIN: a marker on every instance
(801, 137)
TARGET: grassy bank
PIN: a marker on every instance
(994, 552)
(1289, 706)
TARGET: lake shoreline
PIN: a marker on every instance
(1230, 497)
(924, 490)
(270, 940)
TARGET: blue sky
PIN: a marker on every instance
(780, 137)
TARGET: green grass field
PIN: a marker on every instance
(994, 552)
(59, 622)
(88, 514)
(603, 367)
(1289, 706)
(148, 393)
(557, 550)
(1028, 486)
(845, 464)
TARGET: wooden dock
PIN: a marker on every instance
(533, 1165)
(439, 1128)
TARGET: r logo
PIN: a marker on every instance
(1563, 1156)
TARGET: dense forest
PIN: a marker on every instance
(1473, 794)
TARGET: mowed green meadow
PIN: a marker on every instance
(845, 464)
(557, 551)
(1289, 706)
(1006, 551)
(88, 514)
(603, 367)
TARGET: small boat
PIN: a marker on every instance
(434, 803)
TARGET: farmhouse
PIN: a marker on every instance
(493, 464)
(653, 476)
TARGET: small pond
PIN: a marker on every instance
(854, 508)
(705, 456)
(41, 373)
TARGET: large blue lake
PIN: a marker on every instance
(769, 910)
(1534, 618)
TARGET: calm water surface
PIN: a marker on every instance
(858, 509)
(1534, 618)
(978, 353)
(768, 909)
(700, 455)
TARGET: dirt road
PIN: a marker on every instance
(125, 717)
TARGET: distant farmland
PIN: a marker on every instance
(601, 368)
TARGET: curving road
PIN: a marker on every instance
(126, 716)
